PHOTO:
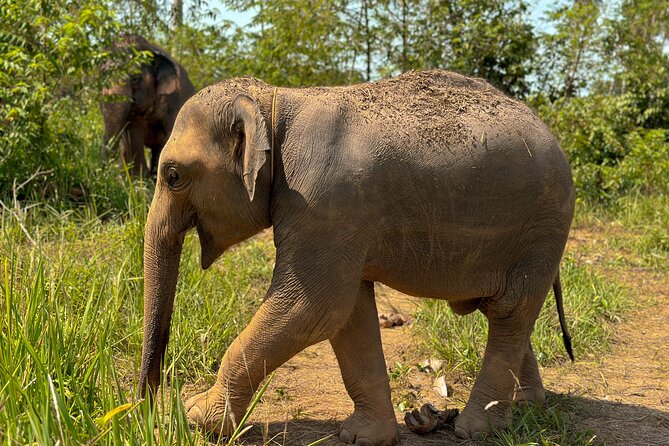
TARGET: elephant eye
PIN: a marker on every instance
(172, 177)
(135, 79)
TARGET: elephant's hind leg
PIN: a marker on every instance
(531, 390)
(357, 346)
(511, 320)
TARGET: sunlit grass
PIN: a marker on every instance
(71, 314)
(554, 423)
(638, 226)
(70, 328)
(591, 304)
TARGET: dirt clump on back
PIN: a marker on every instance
(437, 105)
(446, 108)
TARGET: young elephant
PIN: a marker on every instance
(435, 184)
(153, 99)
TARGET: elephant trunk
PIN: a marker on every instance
(162, 252)
(115, 114)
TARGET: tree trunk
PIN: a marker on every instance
(177, 14)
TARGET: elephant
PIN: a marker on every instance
(435, 184)
(155, 94)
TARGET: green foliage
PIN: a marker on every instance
(636, 44)
(571, 52)
(610, 155)
(309, 42)
(486, 39)
(50, 54)
(604, 90)
(70, 328)
(591, 302)
(553, 423)
(210, 52)
(298, 42)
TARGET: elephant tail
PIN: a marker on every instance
(557, 291)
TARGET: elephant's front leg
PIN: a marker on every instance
(248, 360)
(302, 308)
(363, 368)
(132, 150)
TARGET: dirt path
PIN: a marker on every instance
(623, 398)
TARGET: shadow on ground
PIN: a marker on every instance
(616, 423)
(594, 421)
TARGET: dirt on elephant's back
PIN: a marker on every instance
(623, 398)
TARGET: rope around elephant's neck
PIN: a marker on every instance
(271, 153)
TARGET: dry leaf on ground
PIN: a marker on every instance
(393, 320)
(442, 388)
(429, 418)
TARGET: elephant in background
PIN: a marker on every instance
(433, 183)
(154, 96)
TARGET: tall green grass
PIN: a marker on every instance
(591, 304)
(640, 226)
(71, 312)
(70, 327)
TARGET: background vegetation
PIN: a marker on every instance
(72, 221)
(596, 71)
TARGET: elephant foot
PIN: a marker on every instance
(529, 395)
(208, 411)
(364, 430)
(477, 423)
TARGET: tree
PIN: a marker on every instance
(361, 17)
(638, 46)
(177, 14)
(481, 38)
(571, 51)
(51, 54)
(299, 42)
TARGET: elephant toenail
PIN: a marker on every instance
(194, 413)
(460, 433)
(346, 436)
(478, 435)
(363, 442)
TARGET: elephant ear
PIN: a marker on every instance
(167, 74)
(250, 121)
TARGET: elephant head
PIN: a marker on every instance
(214, 176)
(132, 108)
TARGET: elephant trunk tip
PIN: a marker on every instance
(147, 388)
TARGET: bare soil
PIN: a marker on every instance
(622, 397)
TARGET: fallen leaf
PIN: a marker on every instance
(429, 419)
(442, 388)
(491, 404)
(115, 411)
(393, 320)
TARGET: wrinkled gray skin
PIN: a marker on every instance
(155, 95)
(432, 183)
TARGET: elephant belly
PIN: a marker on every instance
(451, 265)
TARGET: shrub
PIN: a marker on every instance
(50, 78)
(610, 154)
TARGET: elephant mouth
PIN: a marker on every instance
(208, 251)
